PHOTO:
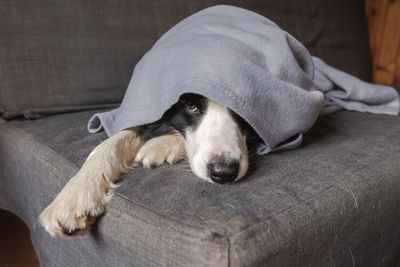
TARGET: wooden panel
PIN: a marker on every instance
(15, 243)
(376, 13)
(397, 72)
(384, 31)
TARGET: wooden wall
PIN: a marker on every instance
(384, 34)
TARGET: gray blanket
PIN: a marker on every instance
(247, 63)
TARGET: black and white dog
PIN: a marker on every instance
(213, 138)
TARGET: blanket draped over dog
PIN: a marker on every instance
(247, 63)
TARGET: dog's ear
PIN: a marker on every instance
(253, 140)
(244, 126)
(156, 129)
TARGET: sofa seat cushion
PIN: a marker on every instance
(334, 200)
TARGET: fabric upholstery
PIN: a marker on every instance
(60, 56)
(332, 202)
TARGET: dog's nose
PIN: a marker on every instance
(223, 171)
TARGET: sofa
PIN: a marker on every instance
(334, 201)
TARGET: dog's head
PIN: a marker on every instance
(215, 137)
(215, 142)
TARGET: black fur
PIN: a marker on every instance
(252, 138)
(179, 117)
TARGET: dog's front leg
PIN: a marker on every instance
(84, 196)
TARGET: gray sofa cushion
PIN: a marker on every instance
(333, 201)
(58, 56)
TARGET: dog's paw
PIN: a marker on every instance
(160, 150)
(74, 210)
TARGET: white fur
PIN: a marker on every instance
(92, 153)
(169, 148)
(84, 196)
(217, 134)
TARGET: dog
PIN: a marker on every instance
(214, 139)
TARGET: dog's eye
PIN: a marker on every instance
(190, 107)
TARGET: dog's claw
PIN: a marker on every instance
(165, 149)
(68, 214)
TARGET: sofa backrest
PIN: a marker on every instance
(62, 55)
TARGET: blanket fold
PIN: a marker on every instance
(247, 63)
